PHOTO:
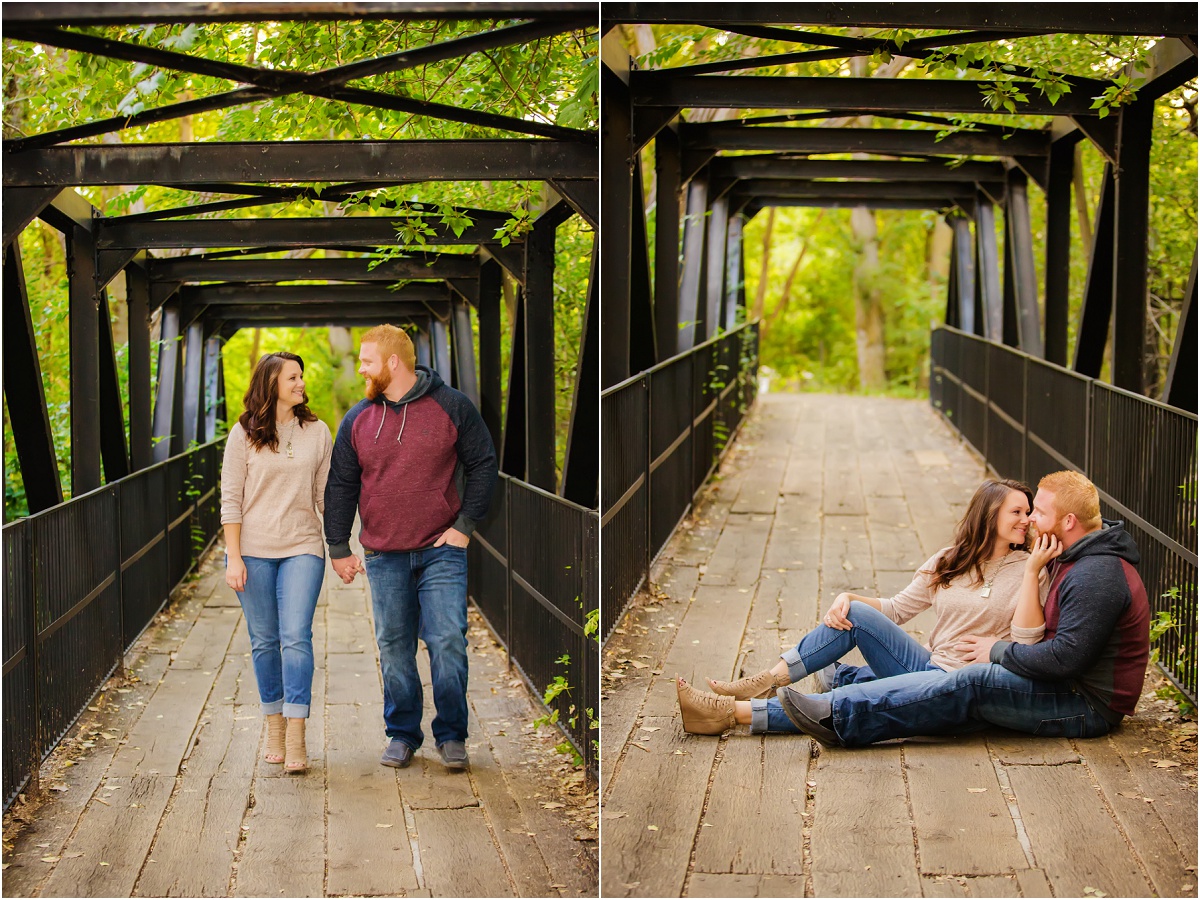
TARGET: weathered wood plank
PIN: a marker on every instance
(846, 563)
(894, 543)
(962, 822)
(737, 557)
(116, 833)
(753, 821)
(973, 886)
(1033, 883)
(842, 489)
(1015, 749)
(790, 598)
(796, 537)
(648, 833)
(1075, 842)
(703, 884)
(458, 856)
(862, 834)
(369, 852)
(354, 678)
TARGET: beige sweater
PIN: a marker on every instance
(961, 611)
(277, 499)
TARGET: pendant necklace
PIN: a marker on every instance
(987, 585)
(290, 427)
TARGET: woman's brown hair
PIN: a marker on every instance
(975, 536)
(258, 420)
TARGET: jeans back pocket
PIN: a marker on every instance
(1070, 727)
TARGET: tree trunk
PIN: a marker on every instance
(937, 256)
(868, 302)
(760, 295)
(347, 385)
(1081, 204)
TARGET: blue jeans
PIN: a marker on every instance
(279, 601)
(888, 649)
(961, 701)
(421, 593)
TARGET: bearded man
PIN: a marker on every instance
(1081, 680)
(417, 463)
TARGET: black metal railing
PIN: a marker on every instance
(666, 430)
(82, 580)
(1028, 417)
(533, 574)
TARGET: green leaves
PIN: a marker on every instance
(1003, 94)
(1123, 90)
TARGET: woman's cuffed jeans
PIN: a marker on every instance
(278, 602)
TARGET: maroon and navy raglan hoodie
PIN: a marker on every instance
(412, 469)
(1097, 624)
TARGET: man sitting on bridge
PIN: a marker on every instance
(1081, 680)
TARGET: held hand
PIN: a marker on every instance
(1045, 548)
(347, 568)
(235, 573)
(453, 537)
(839, 613)
(976, 649)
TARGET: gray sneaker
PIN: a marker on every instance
(397, 755)
(454, 754)
(824, 678)
(807, 712)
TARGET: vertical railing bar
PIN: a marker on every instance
(508, 570)
(31, 641)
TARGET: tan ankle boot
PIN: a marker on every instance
(273, 753)
(704, 713)
(297, 753)
(756, 686)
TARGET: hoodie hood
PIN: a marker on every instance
(427, 380)
(1111, 540)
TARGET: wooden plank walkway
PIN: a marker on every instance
(160, 790)
(824, 494)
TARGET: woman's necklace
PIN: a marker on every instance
(291, 427)
(987, 585)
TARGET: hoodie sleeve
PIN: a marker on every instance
(342, 488)
(476, 455)
(1089, 602)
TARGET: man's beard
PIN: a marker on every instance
(1054, 529)
(377, 384)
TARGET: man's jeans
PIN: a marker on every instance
(421, 593)
(278, 602)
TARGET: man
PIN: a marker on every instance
(1080, 681)
(417, 462)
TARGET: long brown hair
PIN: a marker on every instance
(975, 536)
(259, 418)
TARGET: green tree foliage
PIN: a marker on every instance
(551, 80)
(809, 316)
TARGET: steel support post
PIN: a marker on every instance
(85, 361)
(212, 387)
(691, 282)
(440, 336)
(512, 442)
(165, 399)
(137, 290)
(1096, 314)
(616, 205)
(988, 261)
(718, 235)
(423, 344)
(963, 273)
(735, 282)
(25, 392)
(642, 340)
(1019, 247)
(539, 354)
(491, 391)
(1180, 387)
(1131, 218)
(193, 384)
(581, 462)
(113, 449)
(464, 351)
(1011, 334)
(666, 243)
(1058, 249)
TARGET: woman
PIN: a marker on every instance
(976, 586)
(272, 494)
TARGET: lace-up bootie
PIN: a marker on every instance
(755, 687)
(704, 713)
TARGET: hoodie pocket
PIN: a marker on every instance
(406, 521)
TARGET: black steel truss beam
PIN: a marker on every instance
(898, 141)
(847, 190)
(422, 266)
(1013, 18)
(303, 294)
(1180, 387)
(581, 460)
(665, 88)
(23, 205)
(582, 195)
(136, 13)
(181, 164)
(279, 233)
(752, 205)
(377, 311)
(853, 169)
(137, 291)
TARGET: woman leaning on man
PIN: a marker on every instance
(272, 496)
